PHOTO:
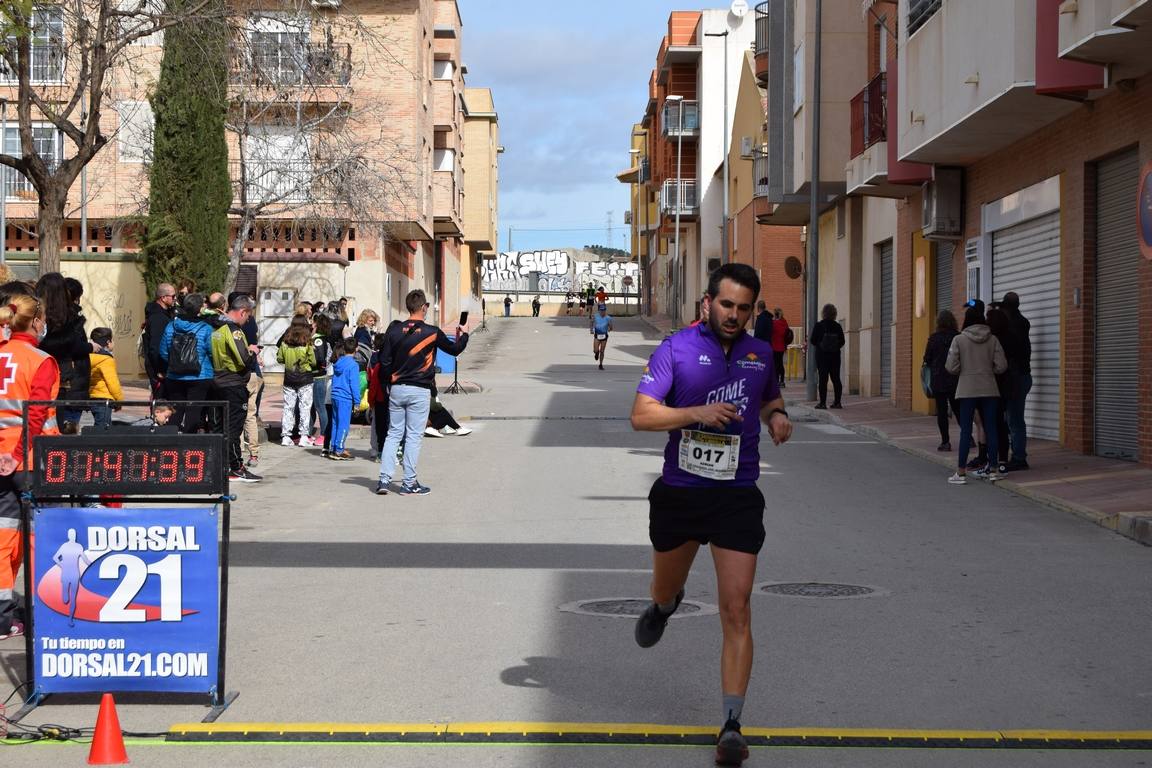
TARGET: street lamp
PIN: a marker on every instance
(724, 228)
(679, 101)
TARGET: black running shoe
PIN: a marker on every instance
(731, 746)
(650, 625)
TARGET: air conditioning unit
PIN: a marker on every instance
(325, 3)
(746, 146)
(943, 201)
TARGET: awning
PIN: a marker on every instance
(630, 176)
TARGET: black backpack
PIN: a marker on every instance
(184, 355)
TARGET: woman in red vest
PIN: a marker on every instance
(26, 373)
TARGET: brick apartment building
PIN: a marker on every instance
(397, 92)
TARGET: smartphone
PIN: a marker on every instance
(463, 319)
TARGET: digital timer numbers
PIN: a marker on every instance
(120, 465)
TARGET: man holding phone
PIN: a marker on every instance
(408, 366)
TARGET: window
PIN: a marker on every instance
(278, 165)
(798, 79)
(46, 52)
(444, 160)
(46, 140)
(443, 69)
(279, 48)
(134, 137)
(919, 11)
(142, 18)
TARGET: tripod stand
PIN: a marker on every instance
(483, 318)
(454, 388)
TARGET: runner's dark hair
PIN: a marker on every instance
(741, 274)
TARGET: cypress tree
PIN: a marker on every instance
(186, 233)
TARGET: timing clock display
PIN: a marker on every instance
(129, 464)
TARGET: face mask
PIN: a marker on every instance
(43, 332)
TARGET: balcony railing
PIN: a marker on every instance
(760, 172)
(679, 195)
(275, 180)
(293, 64)
(670, 118)
(762, 28)
(870, 115)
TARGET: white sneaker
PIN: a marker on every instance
(430, 432)
(287, 442)
(958, 479)
(447, 431)
(463, 431)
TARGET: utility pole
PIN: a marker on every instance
(812, 272)
(679, 187)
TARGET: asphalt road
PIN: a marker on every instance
(988, 611)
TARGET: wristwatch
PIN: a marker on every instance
(778, 410)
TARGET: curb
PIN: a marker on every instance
(1135, 527)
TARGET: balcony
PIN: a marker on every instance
(670, 119)
(761, 45)
(679, 196)
(275, 181)
(292, 64)
(760, 172)
(968, 83)
(1113, 32)
(870, 115)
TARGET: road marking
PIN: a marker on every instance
(650, 734)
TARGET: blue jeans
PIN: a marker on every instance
(341, 421)
(407, 416)
(968, 406)
(1017, 429)
(102, 414)
(319, 398)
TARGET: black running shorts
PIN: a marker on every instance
(731, 517)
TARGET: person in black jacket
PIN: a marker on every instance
(763, 327)
(67, 342)
(407, 361)
(157, 314)
(1020, 372)
(943, 383)
(827, 340)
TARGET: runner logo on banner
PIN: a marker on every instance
(126, 600)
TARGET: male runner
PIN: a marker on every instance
(709, 386)
(601, 325)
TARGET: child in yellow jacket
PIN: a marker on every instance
(104, 383)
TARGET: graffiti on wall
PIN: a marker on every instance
(555, 270)
(112, 310)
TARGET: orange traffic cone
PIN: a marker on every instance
(108, 741)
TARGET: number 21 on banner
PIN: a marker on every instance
(133, 573)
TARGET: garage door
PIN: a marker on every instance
(1117, 399)
(1026, 259)
(886, 284)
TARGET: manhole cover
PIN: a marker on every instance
(631, 607)
(817, 589)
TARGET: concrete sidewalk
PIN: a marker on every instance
(1114, 494)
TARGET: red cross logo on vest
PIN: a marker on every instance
(7, 372)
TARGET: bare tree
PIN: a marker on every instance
(62, 58)
(305, 152)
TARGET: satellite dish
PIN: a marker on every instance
(739, 8)
(793, 268)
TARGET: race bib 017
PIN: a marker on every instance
(709, 455)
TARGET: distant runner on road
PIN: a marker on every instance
(601, 326)
(709, 386)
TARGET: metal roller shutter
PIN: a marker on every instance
(886, 286)
(1117, 399)
(1026, 259)
(944, 254)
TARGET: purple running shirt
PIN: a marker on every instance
(689, 368)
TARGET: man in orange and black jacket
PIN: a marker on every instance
(408, 369)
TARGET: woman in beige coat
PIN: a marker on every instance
(976, 357)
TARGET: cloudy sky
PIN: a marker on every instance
(569, 80)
